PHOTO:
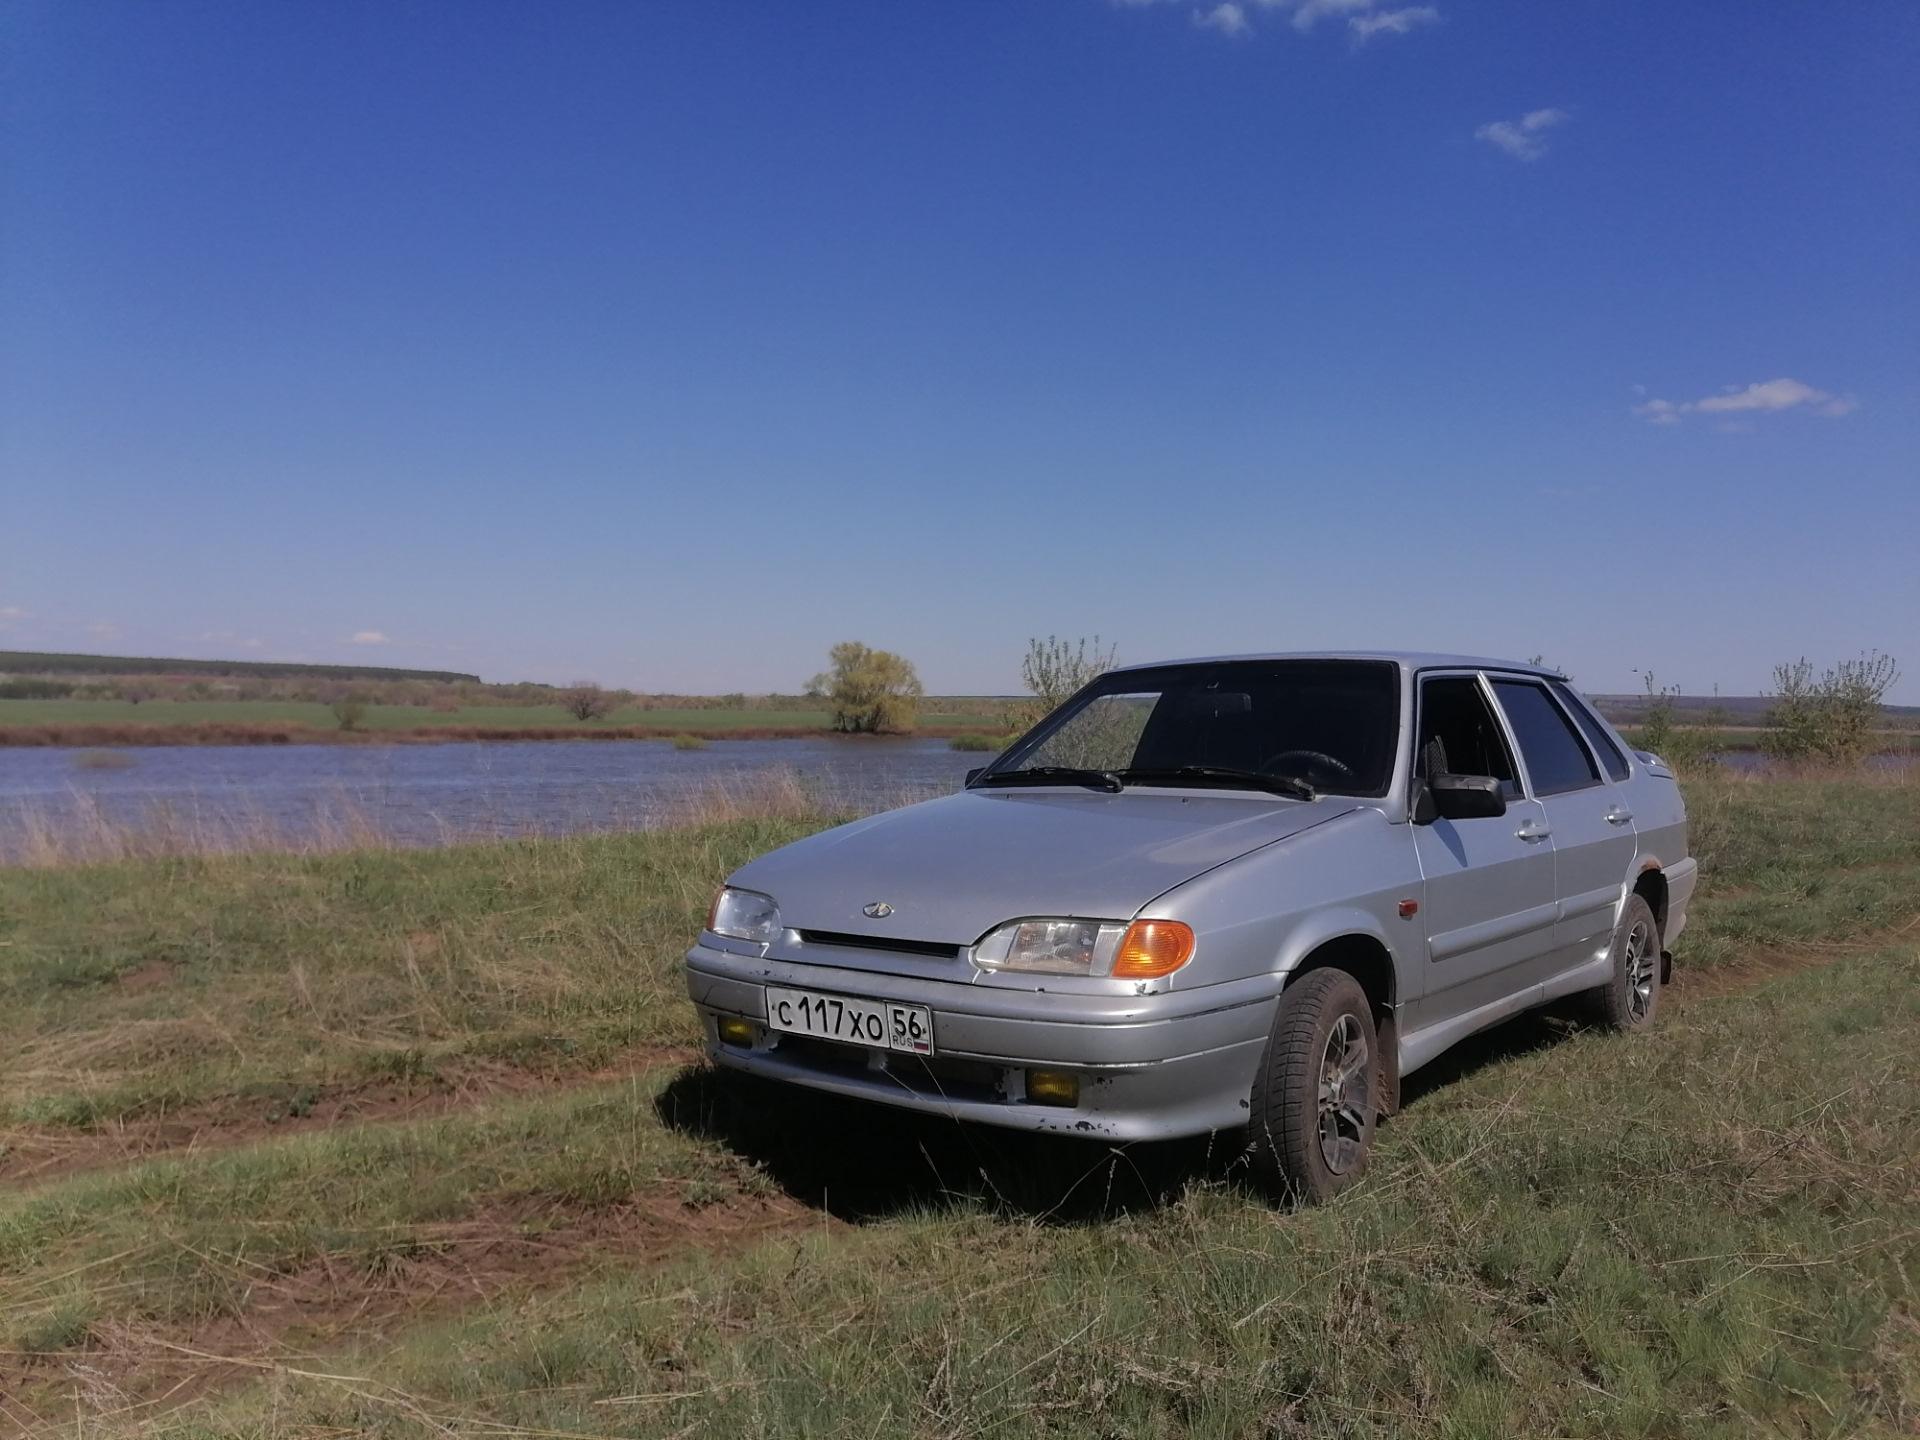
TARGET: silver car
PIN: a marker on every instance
(1209, 894)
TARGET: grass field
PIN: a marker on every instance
(418, 1143)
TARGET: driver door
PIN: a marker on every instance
(1490, 905)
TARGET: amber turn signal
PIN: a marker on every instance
(1152, 948)
(734, 1030)
(1053, 1087)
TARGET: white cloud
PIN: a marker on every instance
(368, 637)
(104, 630)
(1782, 394)
(1311, 11)
(1228, 19)
(12, 612)
(1522, 138)
(1391, 22)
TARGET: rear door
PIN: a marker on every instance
(1489, 900)
(1593, 838)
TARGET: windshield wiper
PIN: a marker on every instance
(1254, 779)
(1055, 775)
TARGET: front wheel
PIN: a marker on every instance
(1314, 1100)
(1630, 1000)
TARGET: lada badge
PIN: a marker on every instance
(878, 910)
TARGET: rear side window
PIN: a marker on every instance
(1457, 730)
(1611, 759)
(1556, 760)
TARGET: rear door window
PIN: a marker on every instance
(1556, 759)
(1611, 759)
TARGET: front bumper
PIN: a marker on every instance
(1151, 1067)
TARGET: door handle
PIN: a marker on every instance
(1534, 830)
(1619, 817)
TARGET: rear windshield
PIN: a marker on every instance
(1330, 723)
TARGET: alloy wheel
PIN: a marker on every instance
(1346, 1095)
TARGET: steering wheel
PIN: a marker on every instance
(1314, 758)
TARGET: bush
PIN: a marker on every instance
(1053, 671)
(872, 691)
(976, 742)
(1687, 748)
(689, 742)
(584, 700)
(1832, 718)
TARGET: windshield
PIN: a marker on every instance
(1269, 724)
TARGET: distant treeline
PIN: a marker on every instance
(35, 664)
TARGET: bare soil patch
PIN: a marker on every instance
(1770, 962)
(30, 1156)
(130, 1370)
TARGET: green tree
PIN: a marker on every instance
(349, 710)
(872, 691)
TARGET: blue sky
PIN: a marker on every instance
(668, 344)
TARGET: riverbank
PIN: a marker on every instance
(213, 732)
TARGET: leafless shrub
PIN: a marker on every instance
(585, 700)
(1832, 718)
(1053, 670)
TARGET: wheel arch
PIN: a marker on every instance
(1651, 885)
(1366, 956)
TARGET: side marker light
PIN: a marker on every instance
(1409, 909)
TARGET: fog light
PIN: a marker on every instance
(735, 1031)
(1053, 1087)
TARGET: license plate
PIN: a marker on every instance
(852, 1022)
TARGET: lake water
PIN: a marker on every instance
(432, 794)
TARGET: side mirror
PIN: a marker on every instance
(974, 774)
(1467, 797)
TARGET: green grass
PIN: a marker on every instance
(1708, 1230)
(1576, 1242)
(1800, 861)
(414, 717)
(188, 1238)
(277, 972)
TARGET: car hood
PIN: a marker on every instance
(954, 868)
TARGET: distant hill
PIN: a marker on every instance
(30, 662)
(1738, 709)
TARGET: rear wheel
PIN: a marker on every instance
(1314, 1099)
(1630, 1000)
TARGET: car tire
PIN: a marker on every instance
(1630, 1000)
(1314, 1104)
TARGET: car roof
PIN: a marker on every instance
(1410, 659)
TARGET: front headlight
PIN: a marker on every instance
(745, 915)
(1051, 947)
(1144, 950)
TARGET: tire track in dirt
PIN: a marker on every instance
(133, 1370)
(1770, 962)
(33, 1156)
